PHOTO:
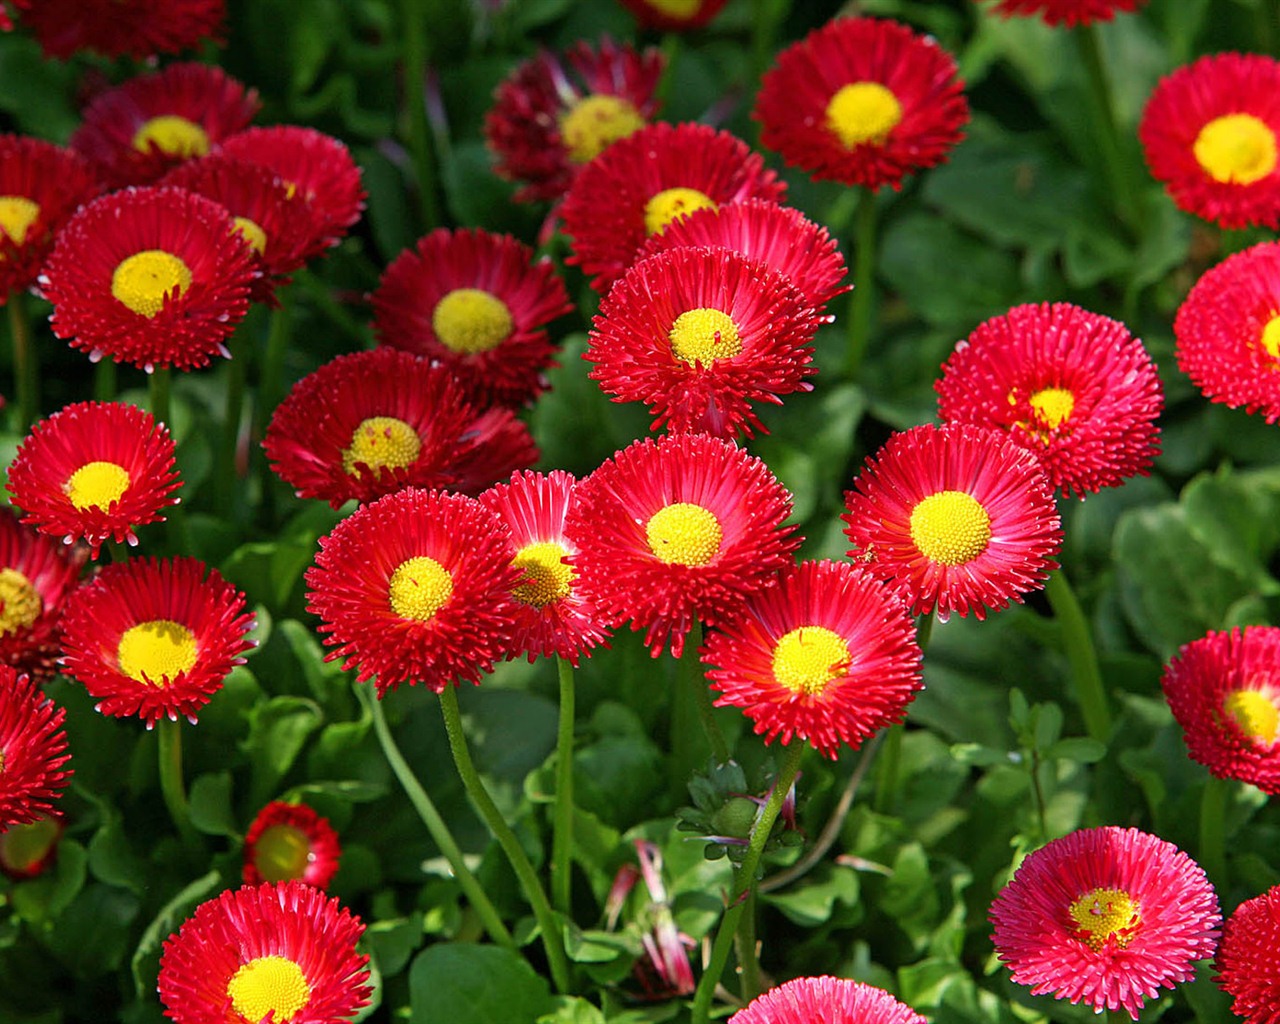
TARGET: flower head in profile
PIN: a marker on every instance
(415, 588)
(556, 112)
(827, 656)
(280, 951)
(673, 15)
(1065, 12)
(369, 423)
(958, 517)
(1228, 332)
(642, 183)
(827, 1000)
(862, 101)
(1106, 917)
(478, 303)
(1246, 961)
(33, 750)
(1211, 134)
(152, 637)
(94, 471)
(1075, 389)
(36, 575)
(1224, 690)
(136, 28)
(290, 842)
(151, 277)
(28, 851)
(682, 528)
(134, 133)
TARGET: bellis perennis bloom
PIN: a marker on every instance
(36, 575)
(826, 1000)
(33, 750)
(289, 842)
(1246, 962)
(1065, 12)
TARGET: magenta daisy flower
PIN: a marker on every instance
(33, 750)
(826, 1000)
(1246, 961)
(673, 15)
(288, 842)
(1065, 12)
(132, 28)
(36, 575)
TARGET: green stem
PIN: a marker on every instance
(104, 380)
(1078, 642)
(744, 881)
(548, 924)
(1123, 189)
(692, 702)
(269, 385)
(670, 46)
(173, 788)
(119, 551)
(25, 369)
(413, 15)
(225, 477)
(1213, 830)
(562, 834)
(159, 383)
(861, 301)
(436, 825)
(887, 770)
(748, 958)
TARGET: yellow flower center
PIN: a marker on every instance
(269, 985)
(252, 233)
(547, 577)
(863, 112)
(146, 279)
(1237, 149)
(1103, 914)
(1270, 340)
(381, 442)
(17, 214)
(595, 123)
(419, 588)
(282, 853)
(1053, 406)
(684, 534)
(670, 203)
(469, 320)
(950, 527)
(157, 652)
(808, 658)
(677, 8)
(1254, 713)
(704, 335)
(96, 485)
(20, 603)
(173, 135)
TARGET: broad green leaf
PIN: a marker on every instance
(470, 984)
(167, 921)
(278, 728)
(210, 804)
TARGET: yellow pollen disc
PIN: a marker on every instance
(547, 577)
(677, 8)
(595, 123)
(670, 203)
(808, 658)
(382, 442)
(684, 534)
(704, 335)
(1053, 406)
(269, 984)
(950, 527)
(1103, 914)
(1270, 340)
(1254, 713)
(282, 853)
(469, 320)
(1237, 149)
(157, 651)
(144, 280)
(252, 233)
(20, 603)
(863, 112)
(96, 485)
(419, 588)
(173, 135)
(17, 214)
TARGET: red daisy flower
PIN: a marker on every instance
(1246, 961)
(151, 277)
(28, 851)
(33, 750)
(416, 588)
(94, 471)
(1224, 690)
(673, 15)
(476, 302)
(150, 637)
(1074, 388)
(551, 614)
(958, 516)
(555, 112)
(1107, 917)
(684, 527)
(642, 183)
(36, 575)
(828, 655)
(827, 1000)
(41, 186)
(1066, 12)
(1228, 332)
(777, 235)
(316, 170)
(137, 131)
(121, 28)
(288, 842)
(1210, 131)
(369, 423)
(278, 950)
(699, 335)
(862, 101)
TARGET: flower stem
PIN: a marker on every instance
(414, 17)
(25, 370)
(887, 769)
(748, 958)
(562, 829)
(1078, 642)
(104, 380)
(225, 477)
(548, 923)
(158, 385)
(173, 788)
(436, 825)
(862, 300)
(693, 701)
(744, 881)
(1213, 830)
(1122, 188)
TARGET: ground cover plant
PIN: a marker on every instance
(548, 512)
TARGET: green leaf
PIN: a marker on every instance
(1077, 748)
(278, 729)
(43, 899)
(470, 984)
(112, 860)
(394, 941)
(91, 935)
(171, 915)
(210, 804)
(811, 902)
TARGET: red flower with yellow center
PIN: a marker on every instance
(1066, 12)
(121, 28)
(27, 851)
(36, 575)
(1246, 961)
(290, 842)
(33, 750)
(826, 1000)
(673, 15)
